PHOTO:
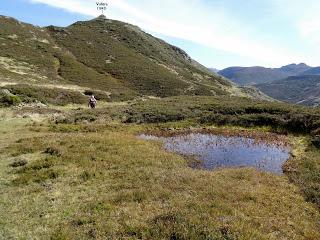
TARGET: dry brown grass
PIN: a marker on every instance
(101, 182)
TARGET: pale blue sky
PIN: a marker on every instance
(217, 33)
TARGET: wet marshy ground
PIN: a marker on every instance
(210, 151)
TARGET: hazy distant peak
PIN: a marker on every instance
(296, 65)
(295, 69)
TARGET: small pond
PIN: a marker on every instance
(217, 151)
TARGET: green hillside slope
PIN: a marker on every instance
(105, 55)
(144, 63)
(30, 55)
(26, 51)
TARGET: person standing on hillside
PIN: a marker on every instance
(92, 102)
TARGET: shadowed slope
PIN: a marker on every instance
(299, 89)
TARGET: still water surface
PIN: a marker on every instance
(216, 151)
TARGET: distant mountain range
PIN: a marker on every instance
(256, 75)
(295, 69)
(303, 90)
(294, 83)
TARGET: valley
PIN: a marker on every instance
(70, 172)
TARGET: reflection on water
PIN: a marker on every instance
(215, 151)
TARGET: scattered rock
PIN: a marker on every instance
(5, 92)
(110, 59)
(46, 41)
(13, 36)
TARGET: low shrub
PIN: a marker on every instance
(316, 141)
(55, 96)
(18, 163)
(9, 100)
(226, 111)
(52, 151)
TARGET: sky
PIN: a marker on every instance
(216, 33)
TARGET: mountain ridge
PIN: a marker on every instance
(293, 83)
(295, 69)
(104, 54)
(257, 74)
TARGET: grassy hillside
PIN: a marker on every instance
(93, 57)
(25, 52)
(303, 90)
(32, 94)
(106, 55)
(31, 56)
(144, 63)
